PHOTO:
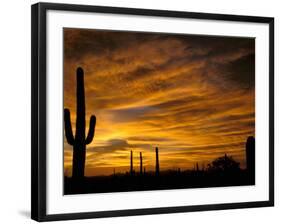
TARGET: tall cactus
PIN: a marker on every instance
(157, 162)
(250, 158)
(79, 141)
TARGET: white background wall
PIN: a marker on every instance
(15, 110)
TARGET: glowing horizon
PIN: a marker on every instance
(191, 96)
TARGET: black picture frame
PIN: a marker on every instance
(39, 122)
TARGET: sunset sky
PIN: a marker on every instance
(191, 96)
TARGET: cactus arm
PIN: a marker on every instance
(91, 131)
(68, 127)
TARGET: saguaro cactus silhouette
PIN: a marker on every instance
(131, 163)
(250, 158)
(157, 162)
(140, 163)
(79, 141)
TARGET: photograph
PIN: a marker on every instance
(147, 111)
(139, 111)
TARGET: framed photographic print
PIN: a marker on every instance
(138, 111)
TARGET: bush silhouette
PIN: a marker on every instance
(224, 164)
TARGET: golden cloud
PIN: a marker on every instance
(192, 96)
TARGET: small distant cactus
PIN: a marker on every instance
(79, 141)
(131, 164)
(157, 162)
(140, 163)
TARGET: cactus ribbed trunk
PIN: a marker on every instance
(80, 107)
(140, 163)
(79, 152)
(79, 141)
(157, 162)
(78, 161)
